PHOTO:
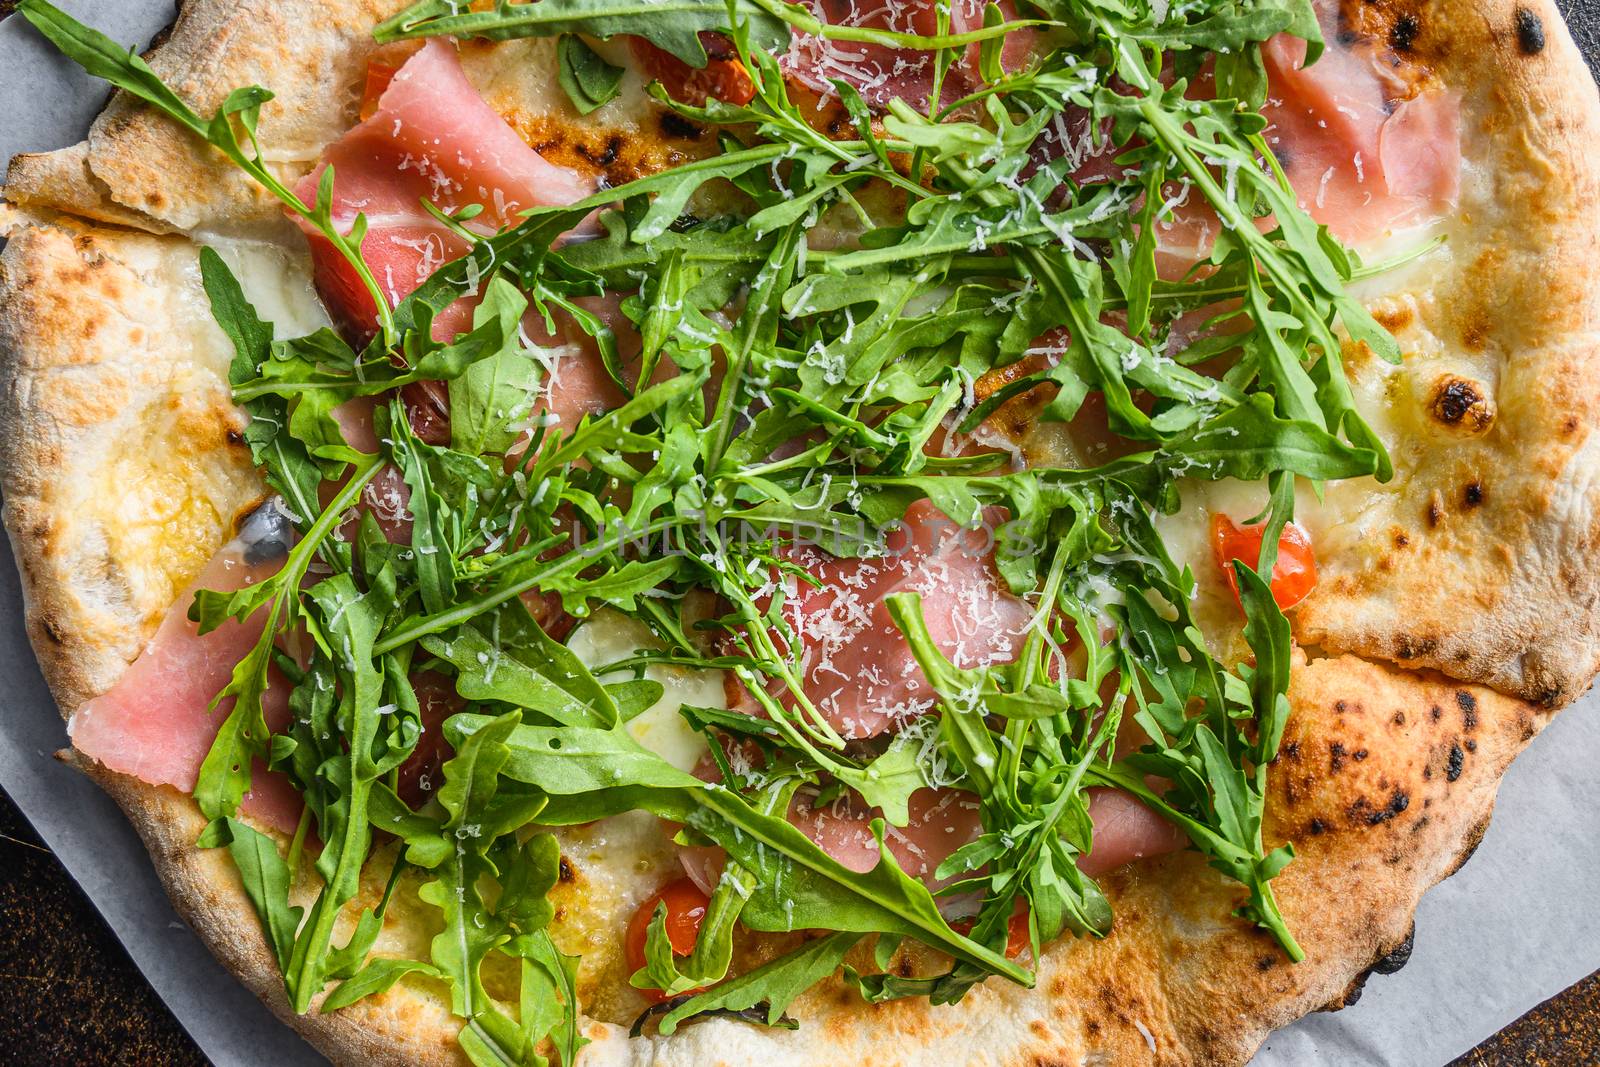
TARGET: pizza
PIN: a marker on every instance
(755, 533)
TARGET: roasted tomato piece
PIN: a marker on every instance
(723, 76)
(382, 66)
(1294, 575)
(686, 910)
(1016, 930)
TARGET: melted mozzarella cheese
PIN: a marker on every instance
(609, 637)
(276, 279)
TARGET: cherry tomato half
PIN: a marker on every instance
(686, 910)
(1017, 937)
(723, 76)
(1294, 575)
(382, 66)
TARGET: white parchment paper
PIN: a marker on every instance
(1519, 923)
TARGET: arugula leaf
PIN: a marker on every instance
(265, 876)
(672, 25)
(772, 987)
(376, 977)
(588, 80)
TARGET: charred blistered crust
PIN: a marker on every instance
(1495, 440)
(122, 462)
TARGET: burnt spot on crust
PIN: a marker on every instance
(1336, 757)
(1398, 956)
(606, 156)
(1472, 494)
(1530, 32)
(1462, 405)
(1469, 845)
(1399, 718)
(1452, 768)
(1316, 827)
(1362, 811)
(676, 126)
(1435, 512)
(568, 872)
(1469, 709)
(1403, 34)
(1409, 647)
(1436, 713)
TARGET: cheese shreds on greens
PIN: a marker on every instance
(787, 394)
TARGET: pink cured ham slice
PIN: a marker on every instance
(856, 666)
(431, 138)
(1364, 151)
(1363, 156)
(941, 821)
(881, 74)
(1125, 830)
(156, 724)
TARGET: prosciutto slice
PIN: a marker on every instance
(1125, 830)
(1366, 151)
(856, 666)
(430, 137)
(156, 723)
(433, 138)
(881, 74)
(941, 821)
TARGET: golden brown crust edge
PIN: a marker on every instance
(138, 168)
(123, 468)
(1486, 563)
(210, 898)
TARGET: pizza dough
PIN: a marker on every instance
(1457, 609)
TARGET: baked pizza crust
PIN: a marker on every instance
(1483, 561)
(1388, 768)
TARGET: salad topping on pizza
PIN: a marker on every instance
(874, 412)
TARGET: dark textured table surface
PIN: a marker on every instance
(69, 994)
